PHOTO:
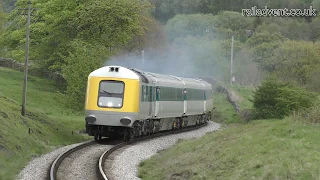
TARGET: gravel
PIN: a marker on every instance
(82, 163)
(38, 167)
(125, 164)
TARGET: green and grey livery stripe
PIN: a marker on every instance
(149, 94)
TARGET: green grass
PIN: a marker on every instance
(42, 95)
(245, 95)
(267, 149)
(223, 111)
(51, 124)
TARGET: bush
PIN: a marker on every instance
(276, 99)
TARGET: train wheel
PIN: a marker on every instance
(125, 135)
(151, 128)
(97, 137)
(131, 134)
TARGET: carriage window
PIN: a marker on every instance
(111, 94)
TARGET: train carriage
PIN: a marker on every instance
(123, 102)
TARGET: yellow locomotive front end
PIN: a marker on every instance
(112, 100)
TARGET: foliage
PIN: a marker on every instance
(165, 10)
(297, 60)
(57, 35)
(2, 18)
(220, 26)
(109, 23)
(197, 25)
(83, 58)
(264, 37)
(2, 24)
(234, 21)
(275, 99)
(264, 54)
(292, 28)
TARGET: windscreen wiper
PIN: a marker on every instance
(106, 92)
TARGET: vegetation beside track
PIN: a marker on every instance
(266, 149)
(244, 94)
(223, 111)
(51, 125)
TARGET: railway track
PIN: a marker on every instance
(100, 170)
(80, 161)
(103, 174)
(57, 162)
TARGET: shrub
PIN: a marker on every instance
(276, 99)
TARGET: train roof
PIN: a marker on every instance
(129, 73)
(114, 71)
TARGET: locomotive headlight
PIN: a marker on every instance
(125, 121)
(110, 104)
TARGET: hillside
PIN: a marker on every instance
(49, 122)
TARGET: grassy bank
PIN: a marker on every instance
(223, 111)
(264, 149)
(270, 149)
(41, 95)
(50, 123)
(244, 94)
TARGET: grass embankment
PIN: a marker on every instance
(223, 111)
(51, 125)
(243, 95)
(264, 149)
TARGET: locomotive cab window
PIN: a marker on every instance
(111, 94)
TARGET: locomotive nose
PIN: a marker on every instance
(90, 119)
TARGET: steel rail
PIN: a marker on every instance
(100, 164)
(57, 162)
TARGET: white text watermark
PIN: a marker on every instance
(254, 11)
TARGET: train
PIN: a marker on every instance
(127, 103)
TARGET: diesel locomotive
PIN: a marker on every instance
(125, 103)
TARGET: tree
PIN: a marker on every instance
(2, 19)
(75, 37)
(82, 59)
(314, 29)
(264, 37)
(190, 25)
(111, 23)
(234, 23)
(166, 9)
(2, 23)
(297, 61)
